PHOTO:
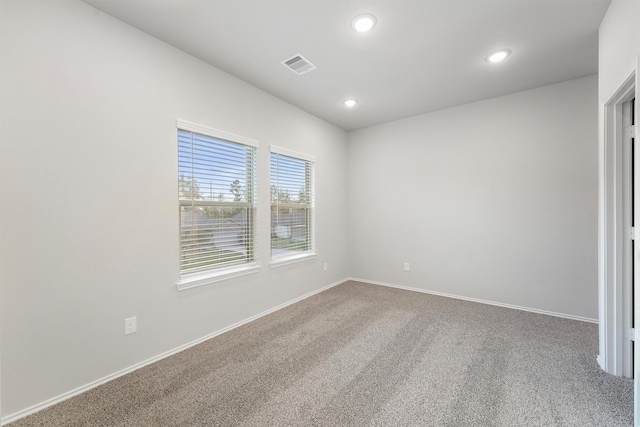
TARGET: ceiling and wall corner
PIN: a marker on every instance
(421, 56)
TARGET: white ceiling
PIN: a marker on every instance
(423, 55)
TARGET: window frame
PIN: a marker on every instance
(310, 253)
(189, 280)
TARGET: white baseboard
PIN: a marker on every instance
(600, 362)
(498, 304)
(64, 396)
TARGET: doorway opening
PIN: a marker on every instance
(628, 253)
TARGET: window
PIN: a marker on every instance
(292, 205)
(216, 192)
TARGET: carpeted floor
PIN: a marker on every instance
(363, 355)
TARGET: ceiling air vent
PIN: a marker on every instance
(299, 64)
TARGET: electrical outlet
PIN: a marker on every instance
(325, 267)
(130, 325)
(406, 266)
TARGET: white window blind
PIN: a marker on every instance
(292, 204)
(216, 191)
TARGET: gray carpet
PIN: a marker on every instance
(365, 355)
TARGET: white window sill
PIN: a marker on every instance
(201, 279)
(291, 259)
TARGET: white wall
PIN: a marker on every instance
(619, 45)
(495, 200)
(89, 221)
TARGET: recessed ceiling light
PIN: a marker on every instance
(498, 56)
(363, 23)
(350, 103)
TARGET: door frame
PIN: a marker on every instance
(614, 246)
(614, 235)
